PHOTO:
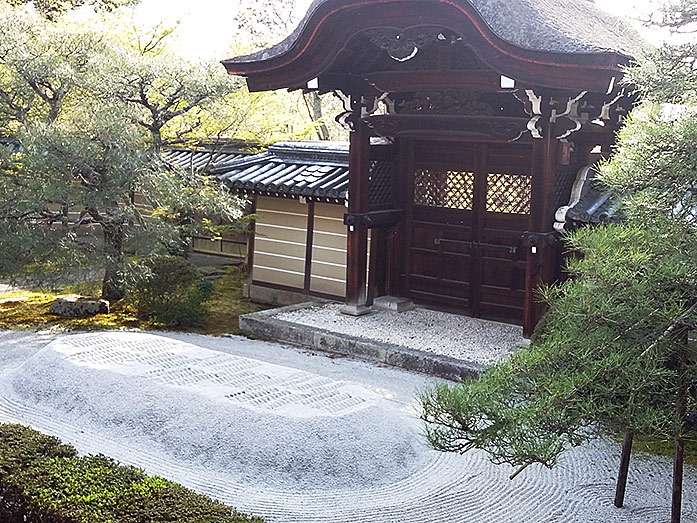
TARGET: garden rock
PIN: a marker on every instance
(75, 306)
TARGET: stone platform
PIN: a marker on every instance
(446, 345)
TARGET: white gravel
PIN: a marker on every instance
(297, 437)
(462, 337)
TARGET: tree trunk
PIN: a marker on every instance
(676, 503)
(113, 286)
(53, 112)
(314, 108)
(156, 135)
(624, 469)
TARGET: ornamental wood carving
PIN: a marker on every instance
(497, 128)
(572, 112)
(404, 44)
(447, 102)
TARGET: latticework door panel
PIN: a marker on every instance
(444, 188)
(381, 183)
(509, 193)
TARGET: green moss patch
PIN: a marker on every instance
(661, 447)
(227, 304)
(43, 480)
(28, 309)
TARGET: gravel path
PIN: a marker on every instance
(462, 337)
(296, 437)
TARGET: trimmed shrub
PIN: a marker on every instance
(44, 481)
(170, 290)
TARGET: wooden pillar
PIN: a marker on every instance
(398, 236)
(308, 246)
(541, 240)
(357, 244)
(379, 261)
(251, 233)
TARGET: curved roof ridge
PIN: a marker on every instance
(559, 26)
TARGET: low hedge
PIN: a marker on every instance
(45, 481)
(170, 290)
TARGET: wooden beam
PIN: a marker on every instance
(404, 81)
(455, 128)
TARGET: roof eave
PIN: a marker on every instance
(297, 59)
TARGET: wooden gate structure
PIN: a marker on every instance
(486, 110)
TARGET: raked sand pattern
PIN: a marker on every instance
(309, 440)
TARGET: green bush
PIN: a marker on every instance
(44, 481)
(169, 290)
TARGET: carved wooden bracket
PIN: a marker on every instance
(567, 114)
(357, 108)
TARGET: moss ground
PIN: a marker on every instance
(29, 309)
(659, 447)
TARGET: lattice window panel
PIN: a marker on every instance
(443, 188)
(508, 193)
(381, 183)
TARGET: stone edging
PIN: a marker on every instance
(264, 325)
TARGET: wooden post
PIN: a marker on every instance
(308, 245)
(251, 233)
(357, 243)
(541, 257)
(624, 469)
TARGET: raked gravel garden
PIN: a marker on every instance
(295, 436)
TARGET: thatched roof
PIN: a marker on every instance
(558, 26)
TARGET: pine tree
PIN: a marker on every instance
(67, 194)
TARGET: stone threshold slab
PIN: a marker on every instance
(264, 325)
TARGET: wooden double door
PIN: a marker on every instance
(471, 204)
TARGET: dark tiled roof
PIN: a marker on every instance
(200, 158)
(315, 170)
(598, 205)
(562, 26)
(589, 202)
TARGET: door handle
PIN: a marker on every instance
(475, 245)
(438, 241)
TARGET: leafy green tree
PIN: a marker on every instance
(84, 157)
(54, 9)
(613, 354)
(162, 87)
(264, 23)
(42, 63)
